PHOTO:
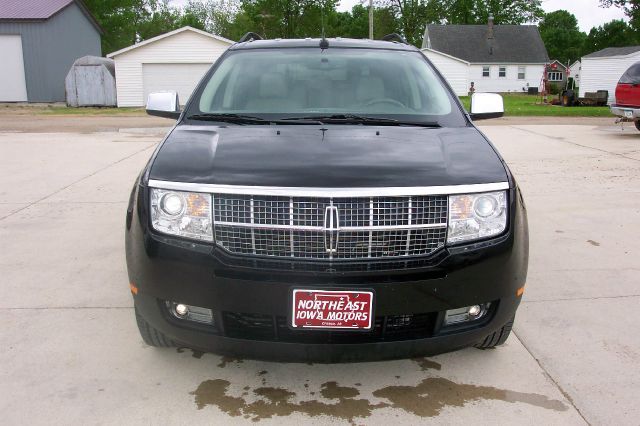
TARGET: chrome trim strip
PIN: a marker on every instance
(322, 229)
(408, 245)
(291, 244)
(253, 232)
(329, 192)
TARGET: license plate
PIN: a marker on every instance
(628, 114)
(329, 309)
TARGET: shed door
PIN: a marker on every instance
(13, 87)
(182, 78)
(90, 85)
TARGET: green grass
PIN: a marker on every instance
(517, 105)
(63, 110)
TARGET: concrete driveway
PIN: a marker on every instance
(70, 352)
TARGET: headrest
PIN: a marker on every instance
(272, 85)
(370, 88)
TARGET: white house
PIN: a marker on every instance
(176, 61)
(496, 58)
(574, 71)
(601, 70)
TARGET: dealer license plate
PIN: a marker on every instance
(326, 309)
(628, 114)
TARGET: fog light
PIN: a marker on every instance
(466, 314)
(475, 310)
(181, 310)
(191, 313)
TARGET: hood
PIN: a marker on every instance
(329, 156)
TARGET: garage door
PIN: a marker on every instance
(12, 83)
(182, 78)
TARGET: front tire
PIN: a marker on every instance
(497, 338)
(150, 335)
(637, 123)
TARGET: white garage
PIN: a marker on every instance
(601, 70)
(454, 70)
(173, 61)
(13, 87)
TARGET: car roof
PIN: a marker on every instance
(315, 42)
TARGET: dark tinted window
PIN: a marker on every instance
(632, 76)
(280, 83)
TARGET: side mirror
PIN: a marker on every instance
(163, 104)
(486, 105)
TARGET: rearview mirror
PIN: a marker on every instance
(163, 104)
(486, 105)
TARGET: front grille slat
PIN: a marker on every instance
(330, 228)
(275, 328)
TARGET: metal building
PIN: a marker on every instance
(91, 81)
(39, 41)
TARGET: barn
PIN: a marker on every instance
(496, 58)
(39, 41)
(176, 61)
(601, 70)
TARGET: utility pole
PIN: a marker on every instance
(371, 19)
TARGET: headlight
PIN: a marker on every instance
(186, 214)
(475, 216)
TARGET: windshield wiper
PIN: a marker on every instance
(244, 119)
(360, 119)
(230, 118)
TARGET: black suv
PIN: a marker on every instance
(325, 200)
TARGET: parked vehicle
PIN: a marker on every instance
(627, 105)
(325, 200)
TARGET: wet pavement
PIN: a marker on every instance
(71, 354)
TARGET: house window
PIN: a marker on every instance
(522, 73)
(502, 72)
(554, 76)
(486, 72)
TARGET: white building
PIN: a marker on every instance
(601, 70)
(574, 71)
(173, 61)
(496, 58)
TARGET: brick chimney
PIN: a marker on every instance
(490, 31)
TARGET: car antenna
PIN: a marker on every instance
(324, 43)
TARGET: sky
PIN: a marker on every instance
(587, 11)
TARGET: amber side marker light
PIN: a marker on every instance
(520, 291)
(134, 289)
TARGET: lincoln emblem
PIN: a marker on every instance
(331, 226)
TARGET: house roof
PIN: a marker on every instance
(510, 43)
(613, 51)
(169, 34)
(40, 10)
(557, 62)
(426, 49)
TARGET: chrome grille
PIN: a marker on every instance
(324, 228)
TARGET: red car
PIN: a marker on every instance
(627, 103)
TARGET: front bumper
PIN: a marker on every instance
(169, 269)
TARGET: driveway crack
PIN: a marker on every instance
(554, 381)
(78, 181)
(560, 139)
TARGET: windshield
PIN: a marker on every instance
(308, 82)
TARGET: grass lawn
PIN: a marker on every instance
(525, 105)
(515, 105)
(64, 110)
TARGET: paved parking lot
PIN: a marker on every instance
(70, 352)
